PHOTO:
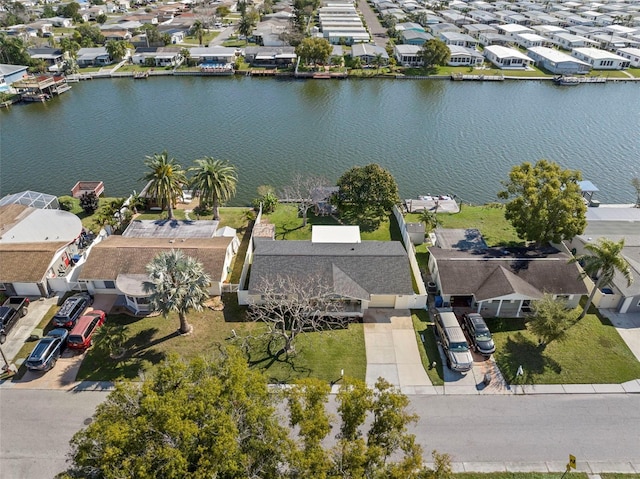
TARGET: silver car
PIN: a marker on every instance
(47, 351)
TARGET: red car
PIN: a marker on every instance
(80, 335)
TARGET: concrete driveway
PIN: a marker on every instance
(392, 351)
(25, 326)
(62, 376)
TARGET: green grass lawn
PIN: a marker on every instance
(614, 475)
(88, 220)
(489, 219)
(594, 352)
(151, 339)
(289, 225)
(427, 345)
(634, 71)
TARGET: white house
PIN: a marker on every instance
(557, 62)
(569, 41)
(511, 29)
(506, 58)
(462, 56)
(631, 54)
(600, 59)
(458, 39)
(408, 55)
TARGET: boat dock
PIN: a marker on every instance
(435, 204)
(463, 77)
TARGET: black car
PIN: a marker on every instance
(71, 310)
(47, 351)
(479, 334)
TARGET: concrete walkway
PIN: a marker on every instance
(392, 351)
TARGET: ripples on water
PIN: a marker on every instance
(434, 136)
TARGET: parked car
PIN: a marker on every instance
(47, 351)
(81, 334)
(479, 334)
(11, 310)
(71, 310)
(454, 343)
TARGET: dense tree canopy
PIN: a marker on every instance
(315, 51)
(546, 202)
(13, 50)
(550, 319)
(217, 418)
(435, 52)
(367, 194)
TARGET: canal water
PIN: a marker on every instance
(435, 136)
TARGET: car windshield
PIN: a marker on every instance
(75, 338)
(483, 336)
(459, 347)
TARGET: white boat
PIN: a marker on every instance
(567, 81)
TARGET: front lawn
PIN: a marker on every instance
(151, 339)
(593, 353)
(289, 225)
(523, 475)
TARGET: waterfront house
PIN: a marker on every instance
(631, 54)
(357, 275)
(557, 62)
(270, 57)
(220, 55)
(506, 58)
(157, 56)
(614, 224)
(37, 245)
(97, 56)
(408, 55)
(53, 57)
(367, 52)
(10, 74)
(462, 56)
(600, 59)
(117, 265)
(501, 282)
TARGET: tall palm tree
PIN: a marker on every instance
(605, 259)
(167, 178)
(198, 31)
(214, 181)
(177, 283)
(430, 220)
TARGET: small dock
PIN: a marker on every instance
(463, 77)
(141, 75)
(262, 73)
(435, 204)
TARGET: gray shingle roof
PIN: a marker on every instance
(351, 270)
(493, 273)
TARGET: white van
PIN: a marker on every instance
(454, 343)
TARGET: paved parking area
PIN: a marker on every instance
(62, 376)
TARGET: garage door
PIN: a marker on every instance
(26, 289)
(383, 301)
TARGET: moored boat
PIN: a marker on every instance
(566, 80)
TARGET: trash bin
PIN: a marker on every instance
(438, 300)
(487, 379)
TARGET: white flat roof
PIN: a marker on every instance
(513, 28)
(504, 52)
(597, 54)
(44, 226)
(335, 234)
(532, 37)
(555, 56)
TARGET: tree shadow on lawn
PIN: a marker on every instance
(265, 351)
(144, 340)
(521, 351)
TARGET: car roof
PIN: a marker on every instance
(42, 346)
(69, 304)
(84, 320)
(476, 319)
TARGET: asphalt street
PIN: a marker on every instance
(479, 432)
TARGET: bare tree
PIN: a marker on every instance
(293, 305)
(301, 190)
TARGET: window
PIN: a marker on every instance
(110, 284)
(3, 287)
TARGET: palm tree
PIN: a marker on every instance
(177, 283)
(197, 30)
(214, 181)
(430, 220)
(166, 177)
(605, 260)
